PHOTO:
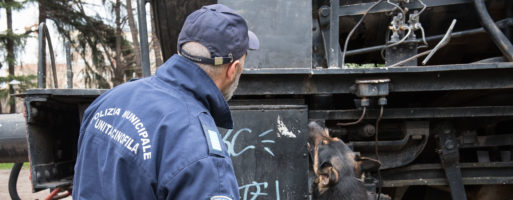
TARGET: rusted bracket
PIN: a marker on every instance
(449, 158)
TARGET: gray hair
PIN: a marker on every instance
(197, 49)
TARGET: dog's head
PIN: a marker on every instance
(332, 160)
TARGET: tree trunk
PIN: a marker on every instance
(135, 39)
(155, 41)
(10, 55)
(118, 69)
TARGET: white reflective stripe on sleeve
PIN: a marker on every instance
(214, 140)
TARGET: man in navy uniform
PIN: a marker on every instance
(157, 137)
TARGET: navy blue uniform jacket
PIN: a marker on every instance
(156, 138)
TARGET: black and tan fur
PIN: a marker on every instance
(337, 169)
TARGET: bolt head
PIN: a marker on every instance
(382, 101)
(325, 12)
(449, 144)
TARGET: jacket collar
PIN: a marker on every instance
(182, 72)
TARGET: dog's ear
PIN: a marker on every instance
(363, 164)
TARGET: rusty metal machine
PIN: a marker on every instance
(426, 83)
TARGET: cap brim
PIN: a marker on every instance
(254, 43)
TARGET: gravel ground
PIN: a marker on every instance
(24, 186)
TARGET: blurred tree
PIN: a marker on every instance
(26, 82)
(155, 43)
(11, 42)
(134, 33)
(96, 41)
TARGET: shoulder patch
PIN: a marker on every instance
(220, 198)
(214, 140)
(211, 134)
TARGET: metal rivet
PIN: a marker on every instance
(449, 144)
(325, 12)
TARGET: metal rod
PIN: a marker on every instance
(376, 151)
(496, 34)
(41, 67)
(68, 64)
(359, 8)
(334, 46)
(442, 42)
(509, 13)
(52, 57)
(430, 38)
(143, 36)
(502, 23)
(355, 122)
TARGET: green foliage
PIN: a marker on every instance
(13, 5)
(26, 82)
(18, 41)
(9, 165)
(90, 36)
(368, 65)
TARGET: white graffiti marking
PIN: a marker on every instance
(283, 130)
(259, 190)
(231, 143)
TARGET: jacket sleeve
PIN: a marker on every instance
(210, 178)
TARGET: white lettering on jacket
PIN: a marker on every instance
(119, 136)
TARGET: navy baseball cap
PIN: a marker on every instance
(220, 29)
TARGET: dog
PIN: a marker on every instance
(338, 170)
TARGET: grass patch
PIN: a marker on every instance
(9, 165)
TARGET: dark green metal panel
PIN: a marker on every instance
(284, 28)
(268, 150)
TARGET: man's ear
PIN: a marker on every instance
(232, 70)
